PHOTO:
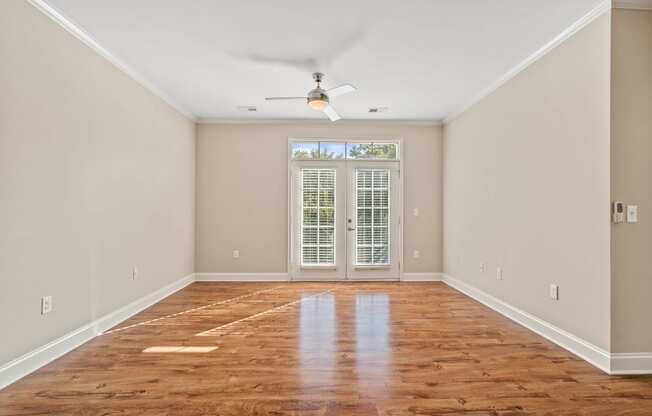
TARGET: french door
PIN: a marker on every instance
(345, 220)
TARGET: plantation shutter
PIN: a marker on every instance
(317, 217)
(372, 217)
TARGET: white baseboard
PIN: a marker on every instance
(114, 318)
(631, 363)
(584, 349)
(633, 4)
(33, 360)
(242, 277)
(421, 277)
(617, 364)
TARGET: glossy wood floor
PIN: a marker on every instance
(322, 349)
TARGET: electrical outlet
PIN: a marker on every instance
(416, 254)
(632, 213)
(499, 273)
(134, 273)
(46, 304)
(554, 292)
(415, 212)
(482, 267)
(236, 254)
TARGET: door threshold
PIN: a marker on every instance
(345, 280)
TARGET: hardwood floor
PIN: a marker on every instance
(322, 349)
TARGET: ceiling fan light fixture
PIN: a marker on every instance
(318, 104)
(319, 98)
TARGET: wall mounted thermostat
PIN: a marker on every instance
(618, 212)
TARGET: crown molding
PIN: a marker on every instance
(633, 4)
(305, 121)
(89, 41)
(567, 33)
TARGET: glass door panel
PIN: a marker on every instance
(373, 220)
(318, 210)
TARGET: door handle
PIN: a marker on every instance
(351, 229)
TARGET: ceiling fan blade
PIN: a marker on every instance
(341, 90)
(285, 98)
(331, 113)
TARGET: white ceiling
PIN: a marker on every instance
(424, 59)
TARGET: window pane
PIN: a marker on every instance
(364, 178)
(364, 198)
(364, 235)
(318, 209)
(310, 178)
(373, 204)
(384, 151)
(380, 235)
(381, 178)
(364, 217)
(363, 255)
(359, 150)
(326, 255)
(305, 151)
(326, 235)
(329, 150)
(381, 197)
(326, 179)
(310, 235)
(380, 255)
(327, 198)
(310, 197)
(310, 216)
(309, 254)
(380, 216)
(327, 216)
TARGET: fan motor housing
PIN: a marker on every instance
(317, 94)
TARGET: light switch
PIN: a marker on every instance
(632, 213)
(618, 212)
(46, 304)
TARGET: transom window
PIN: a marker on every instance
(329, 150)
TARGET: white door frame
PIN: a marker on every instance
(380, 273)
(290, 184)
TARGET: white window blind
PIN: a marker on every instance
(372, 217)
(317, 217)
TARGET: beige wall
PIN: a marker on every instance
(242, 196)
(631, 164)
(526, 188)
(96, 176)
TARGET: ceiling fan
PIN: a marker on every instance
(319, 99)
